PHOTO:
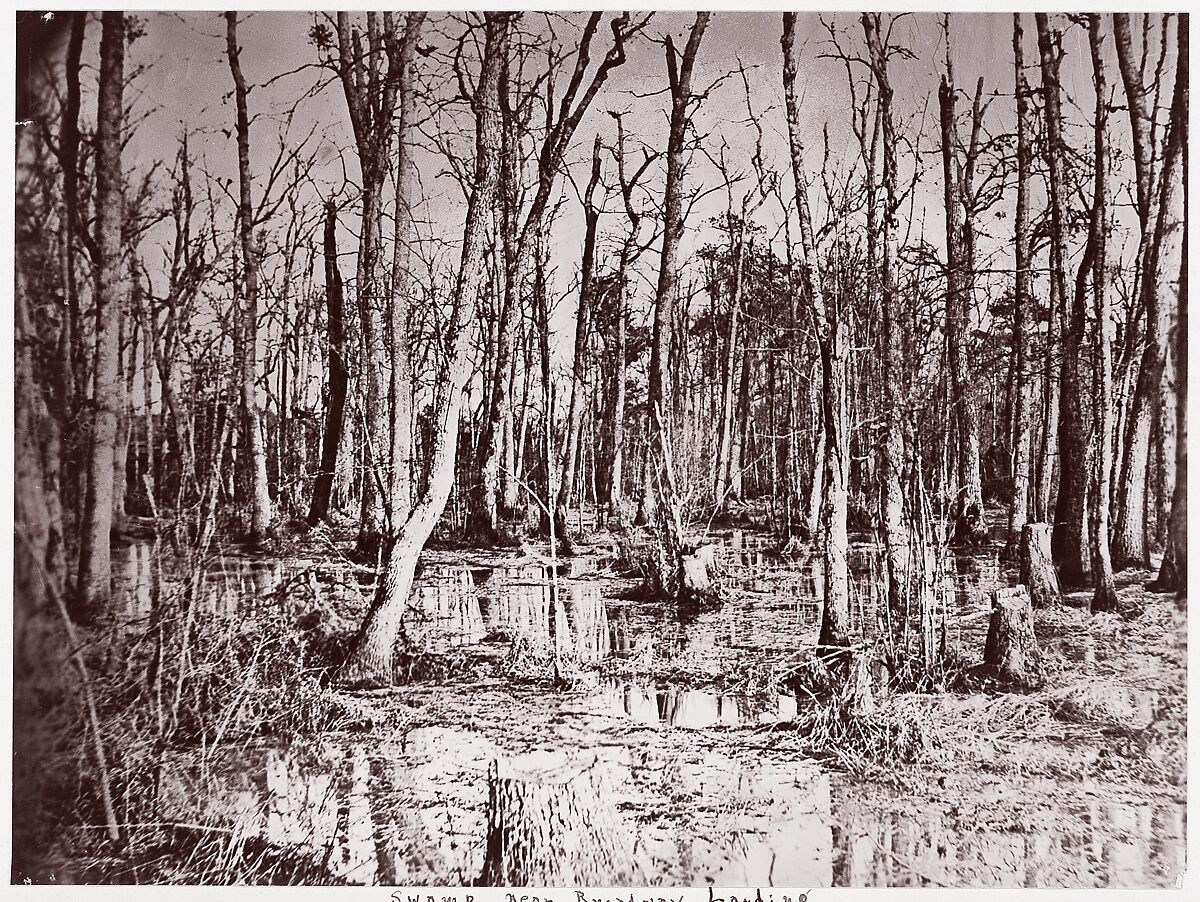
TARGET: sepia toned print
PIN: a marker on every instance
(608, 449)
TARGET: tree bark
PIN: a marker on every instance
(1070, 510)
(1172, 575)
(75, 375)
(95, 555)
(968, 507)
(1052, 388)
(1105, 596)
(370, 662)
(371, 95)
(400, 488)
(1024, 325)
(261, 513)
(335, 406)
(1037, 571)
(659, 400)
(891, 448)
(1011, 652)
(579, 376)
(1129, 546)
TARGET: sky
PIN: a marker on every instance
(187, 84)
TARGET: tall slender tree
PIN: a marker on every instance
(1104, 597)
(1023, 320)
(659, 401)
(832, 341)
(371, 656)
(261, 509)
(108, 392)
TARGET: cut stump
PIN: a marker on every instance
(1011, 652)
(697, 569)
(1037, 566)
(858, 694)
(552, 820)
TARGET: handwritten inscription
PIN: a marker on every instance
(756, 895)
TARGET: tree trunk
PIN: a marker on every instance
(1129, 547)
(1037, 567)
(659, 400)
(891, 449)
(552, 820)
(1172, 575)
(1011, 654)
(697, 576)
(371, 657)
(95, 555)
(261, 513)
(968, 506)
(832, 338)
(38, 648)
(335, 407)
(616, 476)
(400, 489)
(75, 373)
(1068, 541)
(1105, 596)
(579, 377)
(1024, 324)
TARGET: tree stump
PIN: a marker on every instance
(697, 567)
(552, 820)
(1011, 652)
(1037, 566)
(858, 694)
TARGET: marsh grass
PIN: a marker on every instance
(189, 679)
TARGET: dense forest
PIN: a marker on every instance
(383, 295)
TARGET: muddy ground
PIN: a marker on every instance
(707, 747)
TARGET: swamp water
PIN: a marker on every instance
(692, 767)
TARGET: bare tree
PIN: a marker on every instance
(580, 383)
(1104, 597)
(1172, 576)
(261, 508)
(1023, 319)
(370, 659)
(1159, 213)
(968, 507)
(679, 72)
(108, 395)
(831, 327)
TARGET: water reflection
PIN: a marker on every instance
(1095, 844)
(692, 708)
(775, 603)
(453, 607)
(413, 811)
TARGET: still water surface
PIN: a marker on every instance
(413, 810)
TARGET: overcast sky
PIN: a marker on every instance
(187, 83)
